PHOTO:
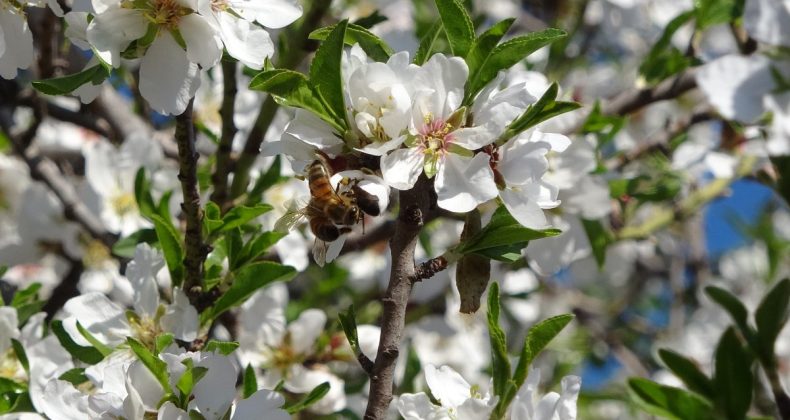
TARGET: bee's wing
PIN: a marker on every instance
(289, 220)
(319, 252)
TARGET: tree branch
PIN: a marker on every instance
(196, 250)
(415, 204)
(219, 178)
(633, 100)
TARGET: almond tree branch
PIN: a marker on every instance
(290, 58)
(415, 204)
(219, 179)
(631, 101)
(196, 250)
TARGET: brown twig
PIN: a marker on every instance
(415, 205)
(633, 100)
(196, 250)
(219, 179)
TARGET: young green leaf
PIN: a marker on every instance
(98, 345)
(66, 84)
(250, 382)
(348, 320)
(425, 50)
(125, 247)
(599, 238)
(292, 89)
(142, 194)
(171, 248)
(457, 25)
(155, 365)
(505, 55)
(669, 402)
(731, 304)
(503, 230)
(313, 397)
(483, 45)
(249, 279)
(499, 358)
(84, 354)
(544, 109)
(221, 347)
(256, 246)
(664, 59)
(715, 12)
(238, 216)
(688, 372)
(75, 376)
(325, 73)
(771, 315)
(19, 350)
(162, 341)
(538, 337)
(732, 380)
(373, 46)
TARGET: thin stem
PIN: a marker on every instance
(415, 205)
(196, 250)
(220, 177)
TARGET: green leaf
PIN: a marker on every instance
(425, 50)
(715, 12)
(669, 402)
(126, 247)
(313, 397)
(8, 385)
(142, 194)
(249, 279)
(373, 46)
(348, 320)
(191, 376)
(238, 216)
(600, 239)
(19, 350)
(505, 55)
(457, 25)
(3, 269)
(731, 304)
(170, 242)
(688, 372)
(66, 84)
(84, 354)
(222, 347)
(732, 380)
(75, 376)
(540, 111)
(325, 73)
(250, 382)
(98, 345)
(503, 230)
(771, 316)
(156, 366)
(370, 20)
(162, 341)
(499, 359)
(291, 88)
(257, 246)
(664, 59)
(538, 337)
(27, 303)
(483, 45)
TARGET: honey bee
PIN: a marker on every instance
(330, 211)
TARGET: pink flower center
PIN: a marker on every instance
(435, 136)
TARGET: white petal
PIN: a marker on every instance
(446, 77)
(566, 406)
(109, 375)
(735, 85)
(313, 131)
(145, 385)
(18, 40)
(77, 29)
(270, 13)
(181, 318)
(402, 167)
(381, 148)
(474, 408)
(203, 44)
(369, 340)
(333, 249)
(546, 408)
(244, 41)
(768, 21)
(447, 385)
(302, 380)
(589, 198)
(463, 183)
(214, 393)
(306, 329)
(111, 32)
(168, 80)
(523, 206)
(8, 327)
(141, 273)
(522, 161)
(169, 411)
(416, 407)
(104, 319)
(64, 401)
(262, 404)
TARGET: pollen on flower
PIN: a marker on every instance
(96, 253)
(219, 5)
(436, 135)
(166, 13)
(123, 203)
(10, 366)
